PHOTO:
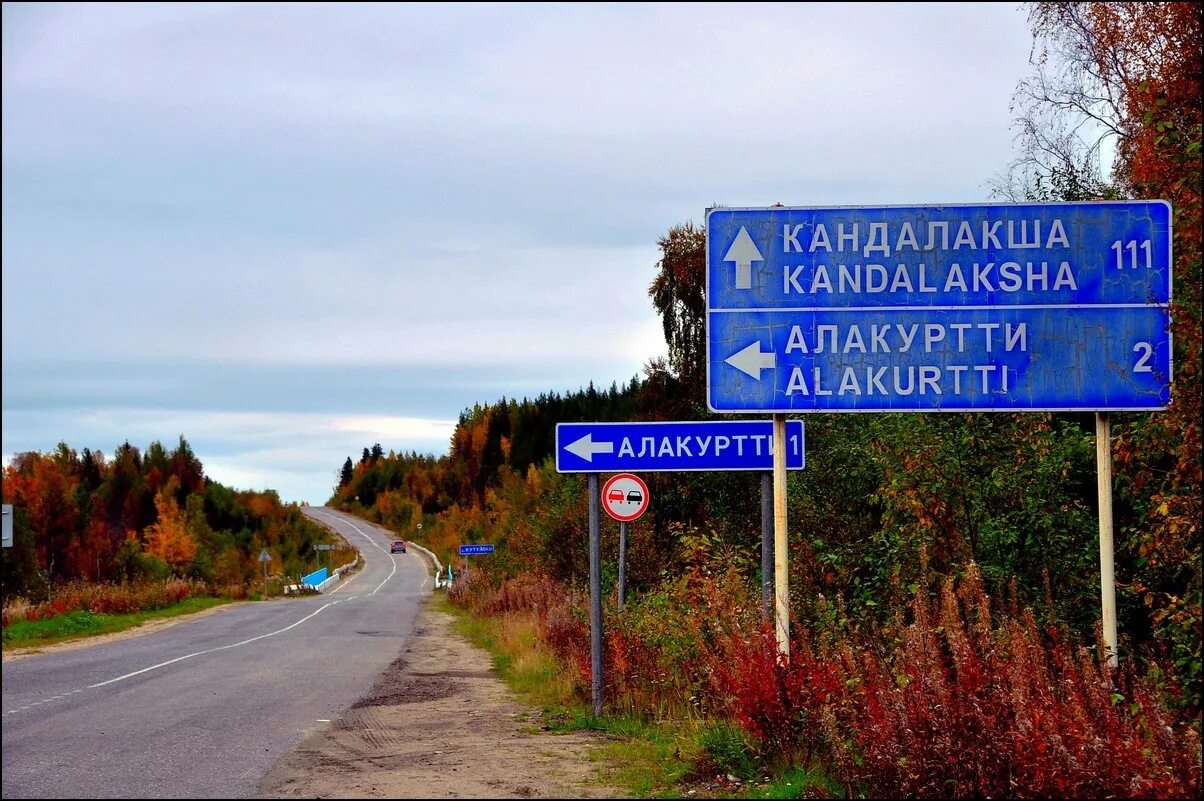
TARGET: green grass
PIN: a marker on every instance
(646, 758)
(794, 781)
(77, 625)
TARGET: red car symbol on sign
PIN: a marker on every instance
(615, 495)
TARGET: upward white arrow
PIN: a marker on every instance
(751, 361)
(586, 447)
(743, 252)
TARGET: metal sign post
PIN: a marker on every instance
(265, 557)
(767, 546)
(8, 525)
(625, 498)
(622, 562)
(595, 597)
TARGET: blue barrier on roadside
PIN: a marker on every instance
(315, 578)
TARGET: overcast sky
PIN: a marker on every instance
(288, 232)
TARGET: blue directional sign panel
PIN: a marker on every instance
(472, 550)
(674, 446)
(992, 307)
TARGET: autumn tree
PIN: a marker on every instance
(1129, 74)
(169, 538)
(679, 294)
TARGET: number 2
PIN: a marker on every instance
(1146, 350)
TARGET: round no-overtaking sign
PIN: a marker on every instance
(625, 497)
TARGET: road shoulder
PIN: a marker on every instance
(439, 723)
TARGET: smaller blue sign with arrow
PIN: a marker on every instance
(470, 550)
(674, 446)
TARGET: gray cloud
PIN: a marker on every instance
(399, 210)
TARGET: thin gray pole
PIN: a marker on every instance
(1107, 575)
(265, 579)
(767, 546)
(595, 596)
(622, 563)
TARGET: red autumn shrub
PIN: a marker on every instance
(963, 707)
(775, 699)
(114, 599)
(966, 708)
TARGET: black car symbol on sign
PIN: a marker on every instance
(635, 497)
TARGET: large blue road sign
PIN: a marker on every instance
(470, 550)
(674, 446)
(1004, 307)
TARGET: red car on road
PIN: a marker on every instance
(398, 546)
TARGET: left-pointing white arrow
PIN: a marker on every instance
(743, 252)
(752, 361)
(586, 447)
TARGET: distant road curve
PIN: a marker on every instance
(206, 707)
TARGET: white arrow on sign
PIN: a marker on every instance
(743, 252)
(752, 361)
(586, 447)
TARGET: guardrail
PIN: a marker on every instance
(428, 555)
(335, 576)
(316, 578)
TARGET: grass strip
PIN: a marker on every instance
(80, 624)
(645, 758)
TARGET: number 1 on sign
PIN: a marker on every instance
(1132, 248)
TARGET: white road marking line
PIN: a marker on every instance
(376, 545)
(331, 517)
(209, 650)
(323, 720)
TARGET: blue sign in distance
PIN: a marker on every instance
(990, 307)
(470, 550)
(674, 446)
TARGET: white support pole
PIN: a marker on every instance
(1107, 575)
(780, 589)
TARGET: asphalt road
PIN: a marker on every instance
(206, 707)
